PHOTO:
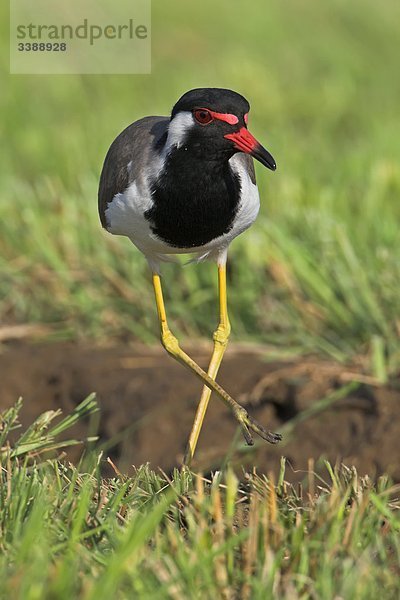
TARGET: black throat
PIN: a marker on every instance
(195, 200)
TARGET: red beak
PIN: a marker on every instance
(247, 143)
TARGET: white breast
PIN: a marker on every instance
(125, 214)
(249, 199)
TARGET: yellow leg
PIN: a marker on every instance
(221, 337)
(171, 344)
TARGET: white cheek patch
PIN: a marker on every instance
(178, 129)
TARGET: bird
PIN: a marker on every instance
(185, 184)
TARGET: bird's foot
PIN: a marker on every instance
(249, 424)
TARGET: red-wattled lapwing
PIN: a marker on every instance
(186, 184)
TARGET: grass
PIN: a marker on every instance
(66, 532)
(319, 270)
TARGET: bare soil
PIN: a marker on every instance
(148, 403)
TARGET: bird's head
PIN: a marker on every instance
(212, 123)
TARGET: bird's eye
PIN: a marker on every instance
(203, 116)
(246, 118)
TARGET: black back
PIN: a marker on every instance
(133, 145)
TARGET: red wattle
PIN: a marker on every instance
(227, 117)
(243, 140)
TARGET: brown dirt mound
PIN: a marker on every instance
(148, 403)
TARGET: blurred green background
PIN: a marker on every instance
(319, 270)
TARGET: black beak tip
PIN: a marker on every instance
(269, 162)
(264, 157)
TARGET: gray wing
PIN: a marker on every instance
(134, 145)
(248, 165)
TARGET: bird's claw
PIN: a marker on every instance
(247, 423)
